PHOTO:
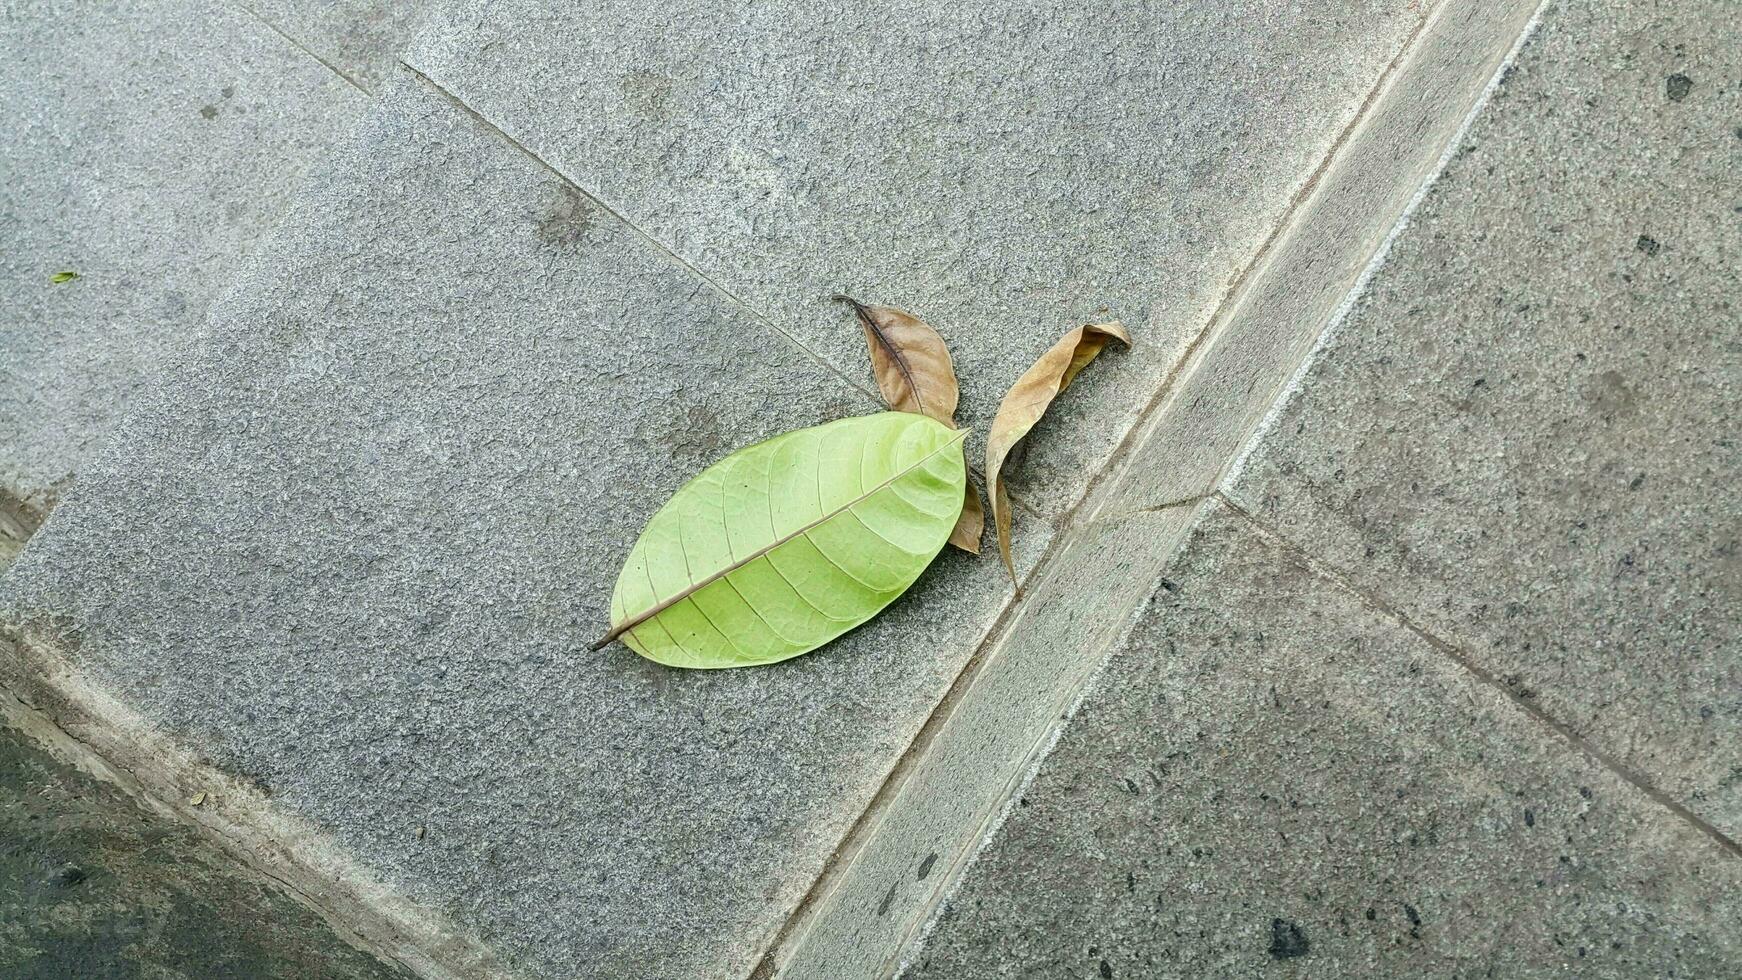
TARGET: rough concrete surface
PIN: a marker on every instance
(143, 146)
(1007, 171)
(1229, 383)
(350, 550)
(369, 529)
(1524, 434)
(360, 39)
(908, 852)
(94, 886)
(1029, 673)
(1276, 778)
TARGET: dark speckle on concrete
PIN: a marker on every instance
(1529, 817)
(694, 437)
(888, 900)
(1287, 941)
(68, 876)
(1106, 970)
(209, 112)
(1647, 244)
(1678, 86)
(565, 224)
(926, 865)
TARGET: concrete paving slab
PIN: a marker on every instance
(1006, 171)
(354, 550)
(1275, 777)
(143, 146)
(1229, 383)
(92, 884)
(1523, 434)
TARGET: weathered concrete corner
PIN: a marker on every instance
(93, 884)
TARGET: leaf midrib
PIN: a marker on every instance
(631, 622)
(895, 353)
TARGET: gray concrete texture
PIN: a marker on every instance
(359, 39)
(1006, 171)
(1524, 434)
(93, 885)
(866, 917)
(353, 548)
(1276, 778)
(1456, 700)
(1229, 383)
(143, 146)
(366, 532)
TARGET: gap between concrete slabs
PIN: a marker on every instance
(948, 794)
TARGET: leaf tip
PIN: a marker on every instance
(1114, 328)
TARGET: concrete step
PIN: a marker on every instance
(145, 146)
(1438, 682)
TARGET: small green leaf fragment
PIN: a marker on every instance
(66, 275)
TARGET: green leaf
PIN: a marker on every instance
(781, 547)
(60, 277)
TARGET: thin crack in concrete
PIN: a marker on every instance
(305, 49)
(659, 246)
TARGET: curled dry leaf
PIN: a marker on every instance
(910, 361)
(1025, 403)
(915, 374)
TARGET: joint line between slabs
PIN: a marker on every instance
(1485, 678)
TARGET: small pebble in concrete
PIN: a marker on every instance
(1678, 86)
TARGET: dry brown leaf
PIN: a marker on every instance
(972, 524)
(912, 365)
(915, 374)
(1025, 403)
